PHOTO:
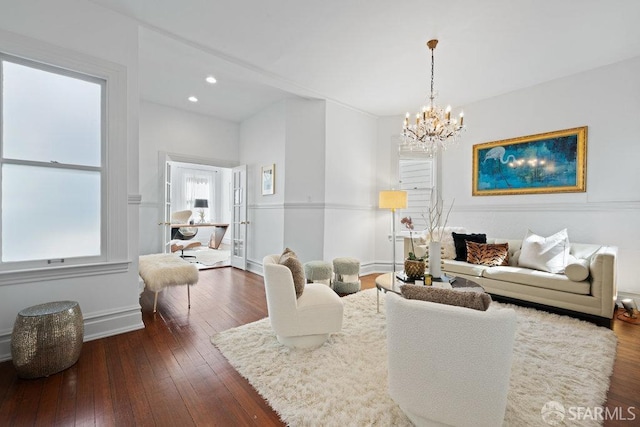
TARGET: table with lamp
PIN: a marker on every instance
(220, 229)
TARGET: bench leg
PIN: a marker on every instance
(155, 302)
(189, 295)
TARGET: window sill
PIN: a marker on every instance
(66, 272)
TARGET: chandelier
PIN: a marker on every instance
(433, 129)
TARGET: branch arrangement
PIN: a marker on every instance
(434, 213)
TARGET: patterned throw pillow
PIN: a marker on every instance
(488, 254)
(290, 260)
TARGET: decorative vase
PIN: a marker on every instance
(434, 259)
(414, 269)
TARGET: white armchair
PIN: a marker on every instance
(305, 322)
(449, 365)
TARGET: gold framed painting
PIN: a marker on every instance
(552, 162)
(267, 175)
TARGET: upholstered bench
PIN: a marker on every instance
(318, 272)
(161, 270)
(347, 272)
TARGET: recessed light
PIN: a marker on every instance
(193, 99)
(211, 79)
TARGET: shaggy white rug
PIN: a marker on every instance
(344, 382)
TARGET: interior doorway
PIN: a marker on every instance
(202, 186)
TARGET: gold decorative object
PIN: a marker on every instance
(414, 269)
(47, 338)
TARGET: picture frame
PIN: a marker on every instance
(267, 178)
(551, 162)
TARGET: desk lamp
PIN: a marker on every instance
(201, 203)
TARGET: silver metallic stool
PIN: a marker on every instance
(47, 338)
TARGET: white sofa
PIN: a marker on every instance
(595, 296)
(449, 365)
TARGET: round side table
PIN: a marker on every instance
(47, 338)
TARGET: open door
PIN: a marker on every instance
(239, 217)
(166, 215)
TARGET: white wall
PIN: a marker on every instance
(350, 192)
(304, 215)
(386, 178)
(166, 129)
(109, 302)
(262, 143)
(606, 100)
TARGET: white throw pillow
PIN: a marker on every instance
(577, 270)
(545, 253)
(447, 240)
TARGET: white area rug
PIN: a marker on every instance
(344, 382)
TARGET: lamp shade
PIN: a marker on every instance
(201, 203)
(392, 199)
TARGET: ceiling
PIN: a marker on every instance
(368, 54)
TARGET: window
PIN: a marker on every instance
(52, 162)
(417, 179)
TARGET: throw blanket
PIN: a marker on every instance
(161, 270)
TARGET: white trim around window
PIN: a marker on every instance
(115, 256)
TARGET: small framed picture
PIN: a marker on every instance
(267, 176)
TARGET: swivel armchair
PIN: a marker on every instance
(449, 365)
(303, 322)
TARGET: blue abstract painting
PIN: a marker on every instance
(544, 163)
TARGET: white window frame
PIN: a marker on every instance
(114, 209)
(417, 177)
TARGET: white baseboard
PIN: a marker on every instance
(625, 295)
(96, 326)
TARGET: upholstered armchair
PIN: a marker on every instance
(449, 365)
(303, 322)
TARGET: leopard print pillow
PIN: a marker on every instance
(488, 254)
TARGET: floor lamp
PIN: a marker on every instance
(393, 199)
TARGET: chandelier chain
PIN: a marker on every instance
(432, 73)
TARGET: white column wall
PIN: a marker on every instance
(386, 178)
(171, 130)
(109, 302)
(350, 193)
(304, 183)
(262, 142)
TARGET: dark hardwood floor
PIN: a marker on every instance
(169, 374)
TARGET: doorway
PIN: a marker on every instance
(202, 186)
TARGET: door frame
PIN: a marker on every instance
(163, 158)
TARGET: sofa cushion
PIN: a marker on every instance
(475, 300)
(290, 260)
(460, 267)
(545, 253)
(539, 279)
(488, 254)
(577, 270)
(459, 241)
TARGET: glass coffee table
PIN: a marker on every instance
(385, 284)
